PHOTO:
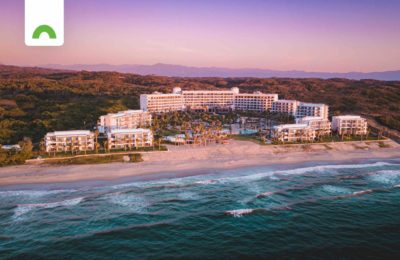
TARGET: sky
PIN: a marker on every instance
(310, 35)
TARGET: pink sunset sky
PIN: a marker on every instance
(313, 35)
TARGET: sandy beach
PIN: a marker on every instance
(236, 154)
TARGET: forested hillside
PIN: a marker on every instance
(34, 101)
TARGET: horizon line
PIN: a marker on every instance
(199, 67)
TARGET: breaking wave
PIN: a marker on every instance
(265, 194)
(135, 203)
(32, 193)
(335, 189)
(25, 208)
(237, 213)
(390, 177)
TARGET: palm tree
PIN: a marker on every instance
(42, 146)
(96, 141)
(106, 146)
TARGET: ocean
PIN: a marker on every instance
(344, 210)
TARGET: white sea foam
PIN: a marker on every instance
(32, 193)
(188, 195)
(390, 177)
(25, 208)
(237, 213)
(362, 192)
(206, 182)
(321, 168)
(182, 182)
(135, 203)
(299, 171)
(265, 194)
(336, 189)
(274, 178)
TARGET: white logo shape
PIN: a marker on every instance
(44, 22)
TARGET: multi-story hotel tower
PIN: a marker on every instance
(160, 102)
(256, 101)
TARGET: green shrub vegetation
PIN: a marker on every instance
(14, 157)
(133, 158)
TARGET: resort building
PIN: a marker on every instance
(285, 106)
(212, 100)
(11, 147)
(124, 120)
(349, 125)
(160, 102)
(292, 133)
(209, 99)
(321, 125)
(69, 141)
(206, 100)
(119, 139)
(256, 101)
(312, 109)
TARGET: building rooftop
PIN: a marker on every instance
(126, 112)
(11, 147)
(286, 100)
(69, 133)
(208, 91)
(311, 118)
(292, 126)
(258, 93)
(348, 117)
(311, 104)
(130, 131)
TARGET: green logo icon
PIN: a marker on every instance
(44, 29)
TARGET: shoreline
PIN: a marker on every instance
(182, 161)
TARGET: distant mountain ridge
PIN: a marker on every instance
(187, 71)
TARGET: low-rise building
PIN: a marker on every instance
(293, 133)
(11, 147)
(285, 106)
(128, 119)
(119, 139)
(256, 101)
(321, 125)
(349, 125)
(312, 109)
(69, 141)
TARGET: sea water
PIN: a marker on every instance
(330, 211)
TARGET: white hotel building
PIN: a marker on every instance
(292, 133)
(229, 100)
(350, 125)
(322, 126)
(160, 102)
(206, 100)
(256, 101)
(285, 106)
(312, 109)
(124, 120)
(300, 109)
(209, 99)
(119, 139)
(68, 141)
